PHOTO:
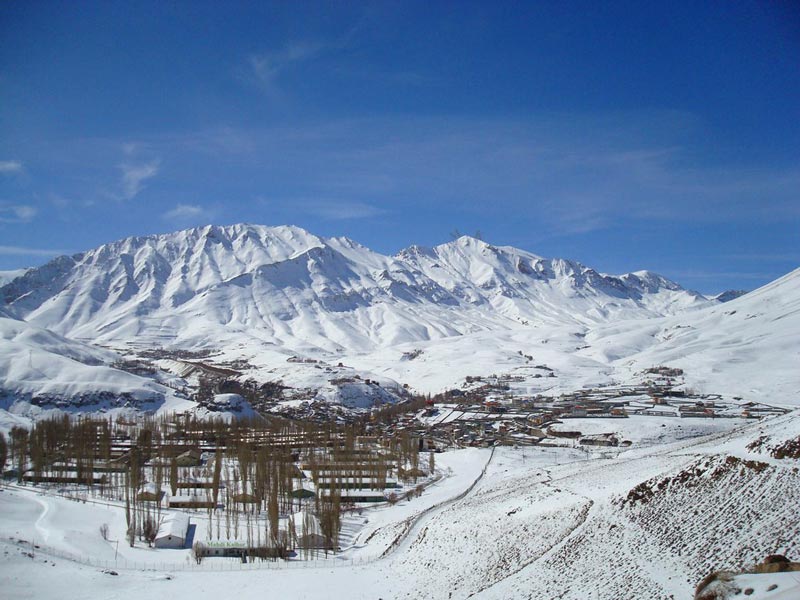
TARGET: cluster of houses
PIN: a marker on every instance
(511, 419)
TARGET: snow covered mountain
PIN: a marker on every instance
(522, 286)
(307, 311)
(204, 286)
(7, 276)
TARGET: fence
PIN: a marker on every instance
(207, 564)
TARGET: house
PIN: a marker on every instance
(173, 531)
(244, 498)
(307, 530)
(356, 496)
(190, 458)
(194, 501)
(301, 492)
(599, 440)
(55, 477)
(150, 493)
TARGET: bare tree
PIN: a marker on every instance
(173, 476)
(149, 529)
(3, 452)
(198, 552)
(19, 443)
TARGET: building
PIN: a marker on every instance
(307, 530)
(150, 492)
(193, 501)
(173, 531)
(190, 458)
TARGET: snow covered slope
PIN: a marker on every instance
(8, 276)
(747, 346)
(729, 295)
(649, 523)
(43, 369)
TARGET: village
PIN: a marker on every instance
(259, 489)
(492, 413)
(266, 487)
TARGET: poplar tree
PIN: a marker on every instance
(19, 442)
(3, 452)
(173, 475)
(273, 515)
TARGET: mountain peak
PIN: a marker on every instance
(648, 280)
(729, 295)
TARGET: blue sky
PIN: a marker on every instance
(637, 135)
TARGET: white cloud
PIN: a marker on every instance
(135, 175)
(59, 201)
(18, 213)
(265, 69)
(337, 210)
(10, 166)
(21, 251)
(130, 148)
(188, 213)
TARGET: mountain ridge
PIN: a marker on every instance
(101, 289)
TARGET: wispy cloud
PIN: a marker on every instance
(134, 176)
(8, 167)
(563, 178)
(217, 142)
(339, 211)
(560, 174)
(22, 251)
(765, 257)
(17, 213)
(703, 275)
(265, 69)
(188, 213)
(131, 148)
(556, 174)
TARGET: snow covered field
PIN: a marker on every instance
(541, 523)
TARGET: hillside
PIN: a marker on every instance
(648, 522)
(41, 370)
(747, 346)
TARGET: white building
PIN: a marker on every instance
(307, 530)
(173, 531)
